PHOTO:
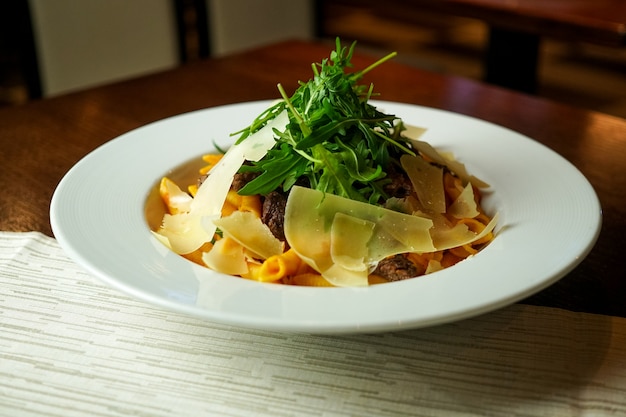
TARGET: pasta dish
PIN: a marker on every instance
(324, 189)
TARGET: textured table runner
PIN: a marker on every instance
(71, 346)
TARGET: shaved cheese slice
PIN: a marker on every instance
(212, 193)
(446, 236)
(310, 216)
(250, 232)
(433, 266)
(413, 132)
(427, 180)
(464, 207)
(339, 276)
(175, 199)
(455, 166)
(263, 140)
(348, 241)
(227, 256)
(412, 233)
(183, 232)
(348, 250)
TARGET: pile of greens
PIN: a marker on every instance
(335, 141)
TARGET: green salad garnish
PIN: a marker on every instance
(335, 141)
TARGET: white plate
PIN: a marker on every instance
(550, 219)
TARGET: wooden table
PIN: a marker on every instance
(40, 141)
(516, 28)
(595, 21)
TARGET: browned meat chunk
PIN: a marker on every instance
(273, 214)
(396, 268)
(400, 185)
(241, 179)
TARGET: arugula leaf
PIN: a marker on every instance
(335, 141)
(334, 177)
(279, 166)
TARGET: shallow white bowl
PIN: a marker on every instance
(549, 220)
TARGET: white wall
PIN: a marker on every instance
(81, 43)
(241, 24)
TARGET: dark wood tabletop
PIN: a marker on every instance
(516, 29)
(595, 21)
(40, 141)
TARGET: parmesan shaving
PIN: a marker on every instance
(348, 241)
(413, 132)
(227, 256)
(311, 215)
(427, 181)
(184, 232)
(340, 276)
(465, 207)
(187, 231)
(453, 165)
(249, 231)
(176, 199)
(447, 237)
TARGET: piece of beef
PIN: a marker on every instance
(273, 214)
(400, 185)
(396, 268)
(242, 178)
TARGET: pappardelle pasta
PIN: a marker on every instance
(323, 189)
